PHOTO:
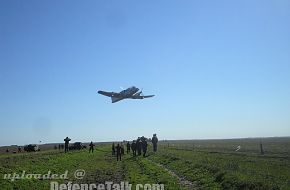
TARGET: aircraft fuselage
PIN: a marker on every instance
(129, 92)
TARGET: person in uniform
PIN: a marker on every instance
(133, 147)
(66, 143)
(128, 147)
(154, 142)
(113, 149)
(119, 152)
(144, 145)
(139, 146)
(91, 147)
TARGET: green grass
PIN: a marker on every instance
(217, 170)
(141, 170)
(207, 167)
(98, 168)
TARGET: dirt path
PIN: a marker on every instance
(182, 180)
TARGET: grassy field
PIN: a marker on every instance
(208, 164)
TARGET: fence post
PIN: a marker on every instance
(261, 148)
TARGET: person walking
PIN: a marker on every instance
(119, 152)
(91, 147)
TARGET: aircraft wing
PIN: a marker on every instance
(109, 94)
(142, 97)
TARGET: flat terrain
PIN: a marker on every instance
(202, 164)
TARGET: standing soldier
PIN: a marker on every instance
(122, 149)
(139, 146)
(128, 147)
(91, 147)
(133, 147)
(113, 149)
(154, 142)
(66, 142)
(118, 149)
(144, 146)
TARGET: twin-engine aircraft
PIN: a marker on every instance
(129, 93)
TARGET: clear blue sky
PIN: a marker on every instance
(219, 69)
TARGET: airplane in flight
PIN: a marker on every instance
(129, 93)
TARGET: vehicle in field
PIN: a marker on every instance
(31, 148)
(77, 146)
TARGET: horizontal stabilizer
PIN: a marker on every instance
(149, 96)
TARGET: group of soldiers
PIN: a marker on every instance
(137, 146)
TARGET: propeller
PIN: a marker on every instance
(141, 92)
